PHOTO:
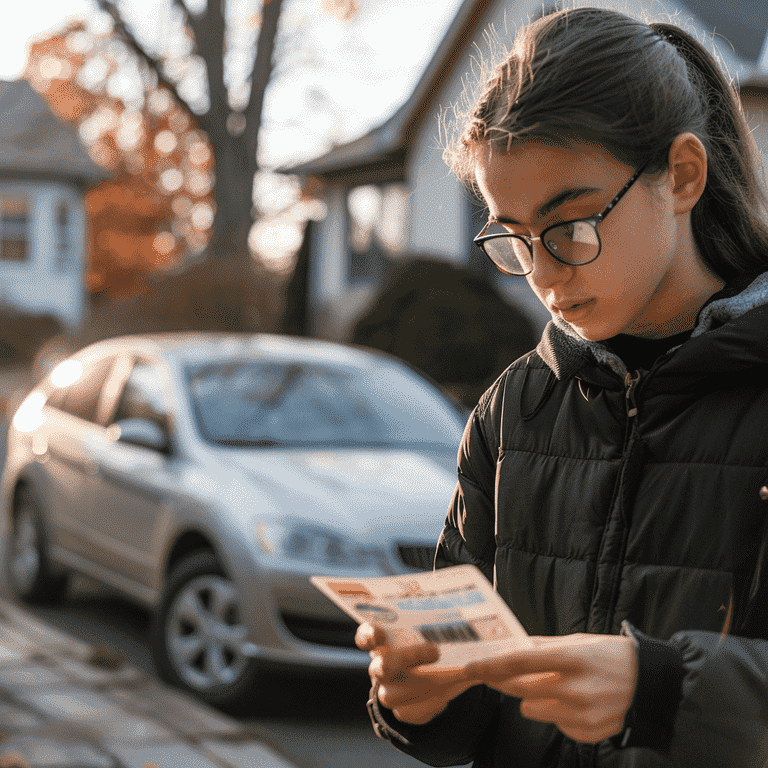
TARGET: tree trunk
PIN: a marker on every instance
(225, 292)
(233, 196)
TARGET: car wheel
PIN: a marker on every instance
(198, 637)
(28, 566)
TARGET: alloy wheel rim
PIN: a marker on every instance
(25, 557)
(204, 633)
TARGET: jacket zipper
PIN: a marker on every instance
(631, 382)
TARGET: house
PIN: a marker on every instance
(44, 172)
(389, 192)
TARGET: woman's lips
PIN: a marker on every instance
(572, 309)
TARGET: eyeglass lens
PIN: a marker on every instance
(573, 243)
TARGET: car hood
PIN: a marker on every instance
(383, 492)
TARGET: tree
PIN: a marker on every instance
(158, 203)
(449, 321)
(233, 114)
(185, 115)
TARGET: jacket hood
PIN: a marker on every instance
(729, 335)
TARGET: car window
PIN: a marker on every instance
(143, 396)
(113, 388)
(252, 402)
(81, 397)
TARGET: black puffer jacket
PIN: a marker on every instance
(597, 499)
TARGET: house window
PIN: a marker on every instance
(63, 237)
(14, 229)
(377, 235)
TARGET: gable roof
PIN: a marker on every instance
(34, 142)
(743, 23)
(381, 145)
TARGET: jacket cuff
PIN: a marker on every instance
(387, 726)
(649, 721)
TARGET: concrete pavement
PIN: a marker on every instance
(68, 704)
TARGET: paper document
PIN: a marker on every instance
(455, 607)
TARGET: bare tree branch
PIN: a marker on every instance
(192, 21)
(210, 33)
(127, 36)
(182, 6)
(262, 70)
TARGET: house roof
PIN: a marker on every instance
(34, 142)
(743, 23)
(381, 145)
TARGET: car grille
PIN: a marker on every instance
(340, 634)
(418, 556)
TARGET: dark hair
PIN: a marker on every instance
(601, 78)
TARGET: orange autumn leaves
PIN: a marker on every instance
(157, 203)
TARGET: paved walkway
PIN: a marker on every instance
(67, 704)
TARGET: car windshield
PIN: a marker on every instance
(275, 403)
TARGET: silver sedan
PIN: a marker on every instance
(207, 476)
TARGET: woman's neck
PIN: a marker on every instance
(682, 294)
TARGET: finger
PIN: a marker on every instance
(368, 636)
(562, 714)
(542, 685)
(393, 695)
(558, 639)
(550, 657)
(588, 724)
(440, 675)
(418, 714)
(390, 665)
(543, 710)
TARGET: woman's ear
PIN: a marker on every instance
(688, 171)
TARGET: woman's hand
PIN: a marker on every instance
(412, 697)
(582, 683)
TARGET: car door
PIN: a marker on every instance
(135, 484)
(66, 444)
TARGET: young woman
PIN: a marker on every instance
(611, 482)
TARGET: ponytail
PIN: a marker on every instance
(728, 221)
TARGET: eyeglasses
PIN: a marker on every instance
(574, 242)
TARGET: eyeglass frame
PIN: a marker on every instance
(593, 221)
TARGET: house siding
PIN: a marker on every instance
(440, 221)
(439, 213)
(756, 109)
(37, 285)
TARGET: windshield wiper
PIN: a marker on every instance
(259, 442)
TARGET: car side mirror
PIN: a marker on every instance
(144, 433)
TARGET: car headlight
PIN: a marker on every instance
(29, 415)
(300, 540)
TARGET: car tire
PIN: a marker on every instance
(197, 635)
(31, 577)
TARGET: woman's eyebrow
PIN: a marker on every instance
(561, 197)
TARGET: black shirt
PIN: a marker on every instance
(637, 352)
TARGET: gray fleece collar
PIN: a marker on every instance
(565, 352)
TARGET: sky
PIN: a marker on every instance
(20, 24)
(354, 76)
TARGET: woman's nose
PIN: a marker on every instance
(547, 270)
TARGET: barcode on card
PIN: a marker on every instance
(457, 632)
